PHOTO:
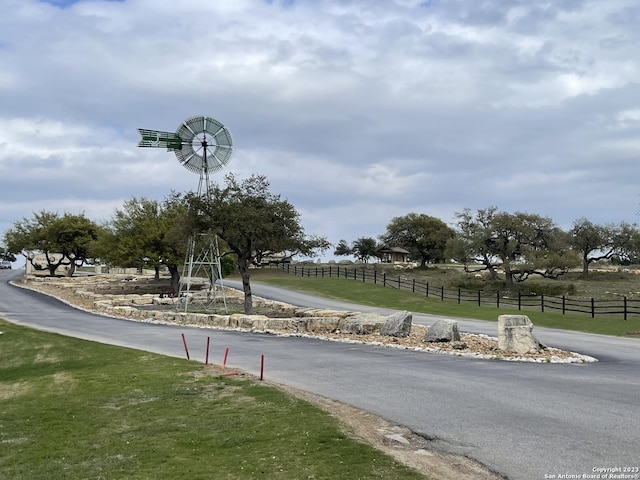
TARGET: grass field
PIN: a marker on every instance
(377, 295)
(72, 409)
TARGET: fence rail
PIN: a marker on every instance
(593, 307)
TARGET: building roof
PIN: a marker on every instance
(393, 250)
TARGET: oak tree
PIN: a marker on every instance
(602, 242)
(521, 244)
(253, 222)
(425, 237)
(65, 241)
(148, 233)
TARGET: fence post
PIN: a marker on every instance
(384, 279)
(563, 304)
(542, 302)
(498, 299)
(442, 293)
(288, 268)
(479, 298)
(399, 287)
(593, 308)
(426, 290)
(413, 286)
(295, 270)
(519, 301)
(363, 275)
(458, 296)
(375, 277)
(624, 299)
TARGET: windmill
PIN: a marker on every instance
(203, 146)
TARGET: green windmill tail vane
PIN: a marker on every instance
(158, 139)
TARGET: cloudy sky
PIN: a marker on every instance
(357, 111)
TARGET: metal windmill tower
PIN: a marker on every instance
(203, 146)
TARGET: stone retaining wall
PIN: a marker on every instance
(301, 320)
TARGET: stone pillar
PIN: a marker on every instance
(515, 334)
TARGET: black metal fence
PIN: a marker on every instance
(564, 304)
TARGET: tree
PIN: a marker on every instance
(253, 222)
(342, 249)
(521, 244)
(599, 242)
(472, 246)
(149, 233)
(64, 241)
(75, 236)
(423, 236)
(364, 248)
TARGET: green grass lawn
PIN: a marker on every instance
(377, 295)
(73, 409)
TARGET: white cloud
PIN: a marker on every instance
(356, 111)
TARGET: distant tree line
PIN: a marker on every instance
(517, 245)
(254, 223)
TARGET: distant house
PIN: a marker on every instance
(273, 259)
(393, 255)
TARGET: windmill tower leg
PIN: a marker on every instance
(187, 276)
(201, 282)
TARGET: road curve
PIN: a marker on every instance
(522, 420)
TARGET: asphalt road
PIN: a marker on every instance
(522, 420)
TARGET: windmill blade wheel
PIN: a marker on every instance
(206, 145)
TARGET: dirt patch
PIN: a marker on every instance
(13, 390)
(399, 442)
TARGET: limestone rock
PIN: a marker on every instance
(515, 334)
(361, 323)
(240, 320)
(397, 325)
(443, 331)
(323, 324)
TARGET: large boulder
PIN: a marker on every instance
(515, 335)
(361, 323)
(443, 331)
(397, 325)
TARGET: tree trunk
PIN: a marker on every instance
(508, 277)
(243, 266)
(72, 269)
(585, 267)
(175, 278)
(156, 276)
(493, 275)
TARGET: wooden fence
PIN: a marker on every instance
(564, 304)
